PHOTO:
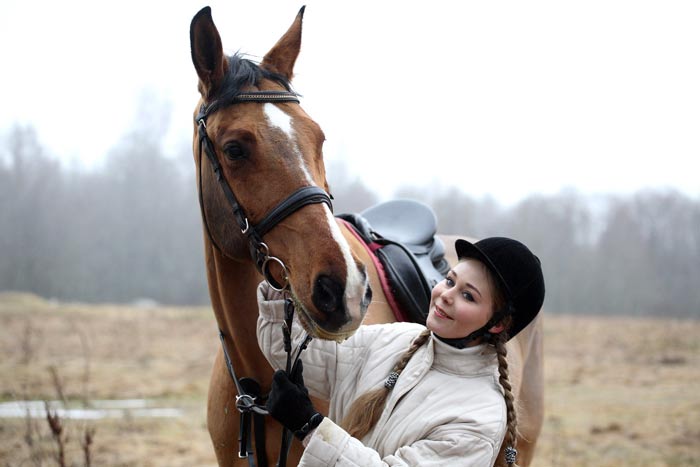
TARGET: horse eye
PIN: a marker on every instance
(235, 151)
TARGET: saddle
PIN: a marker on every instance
(401, 235)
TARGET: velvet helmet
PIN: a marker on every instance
(518, 272)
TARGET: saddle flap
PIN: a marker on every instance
(408, 285)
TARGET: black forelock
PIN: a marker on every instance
(243, 73)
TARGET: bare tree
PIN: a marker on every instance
(132, 228)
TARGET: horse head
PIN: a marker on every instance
(262, 183)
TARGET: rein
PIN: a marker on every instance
(248, 389)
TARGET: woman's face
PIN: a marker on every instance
(462, 303)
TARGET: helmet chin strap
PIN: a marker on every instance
(462, 342)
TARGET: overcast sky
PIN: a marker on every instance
(505, 98)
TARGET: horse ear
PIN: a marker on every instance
(281, 58)
(207, 52)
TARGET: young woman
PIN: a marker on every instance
(411, 395)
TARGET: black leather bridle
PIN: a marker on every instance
(248, 389)
(254, 233)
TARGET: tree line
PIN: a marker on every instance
(131, 230)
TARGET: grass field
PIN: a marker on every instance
(619, 391)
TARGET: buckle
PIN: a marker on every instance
(245, 403)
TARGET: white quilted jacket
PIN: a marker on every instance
(447, 407)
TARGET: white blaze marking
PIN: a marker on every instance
(279, 119)
(282, 121)
(355, 285)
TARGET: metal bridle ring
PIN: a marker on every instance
(244, 402)
(263, 249)
(268, 276)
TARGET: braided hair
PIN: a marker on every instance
(498, 341)
(508, 455)
(366, 410)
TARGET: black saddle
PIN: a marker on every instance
(403, 236)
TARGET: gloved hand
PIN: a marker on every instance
(290, 405)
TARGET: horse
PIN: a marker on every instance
(266, 214)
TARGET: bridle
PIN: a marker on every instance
(254, 233)
(248, 389)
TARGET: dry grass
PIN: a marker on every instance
(108, 352)
(620, 391)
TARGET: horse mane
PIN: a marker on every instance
(242, 73)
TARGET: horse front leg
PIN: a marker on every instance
(222, 415)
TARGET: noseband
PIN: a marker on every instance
(254, 233)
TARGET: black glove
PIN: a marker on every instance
(289, 402)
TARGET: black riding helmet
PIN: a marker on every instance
(518, 272)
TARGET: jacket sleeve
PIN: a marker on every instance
(320, 357)
(330, 445)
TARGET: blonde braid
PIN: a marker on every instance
(366, 410)
(510, 441)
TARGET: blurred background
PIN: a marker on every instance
(570, 125)
(573, 127)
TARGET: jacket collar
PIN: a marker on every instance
(479, 359)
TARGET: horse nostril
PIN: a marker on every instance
(328, 298)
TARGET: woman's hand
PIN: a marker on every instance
(289, 402)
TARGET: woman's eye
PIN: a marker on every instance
(234, 151)
(449, 282)
(468, 296)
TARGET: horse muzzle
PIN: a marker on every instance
(338, 308)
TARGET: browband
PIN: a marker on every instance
(248, 96)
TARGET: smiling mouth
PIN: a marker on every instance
(440, 314)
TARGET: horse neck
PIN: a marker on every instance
(232, 288)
